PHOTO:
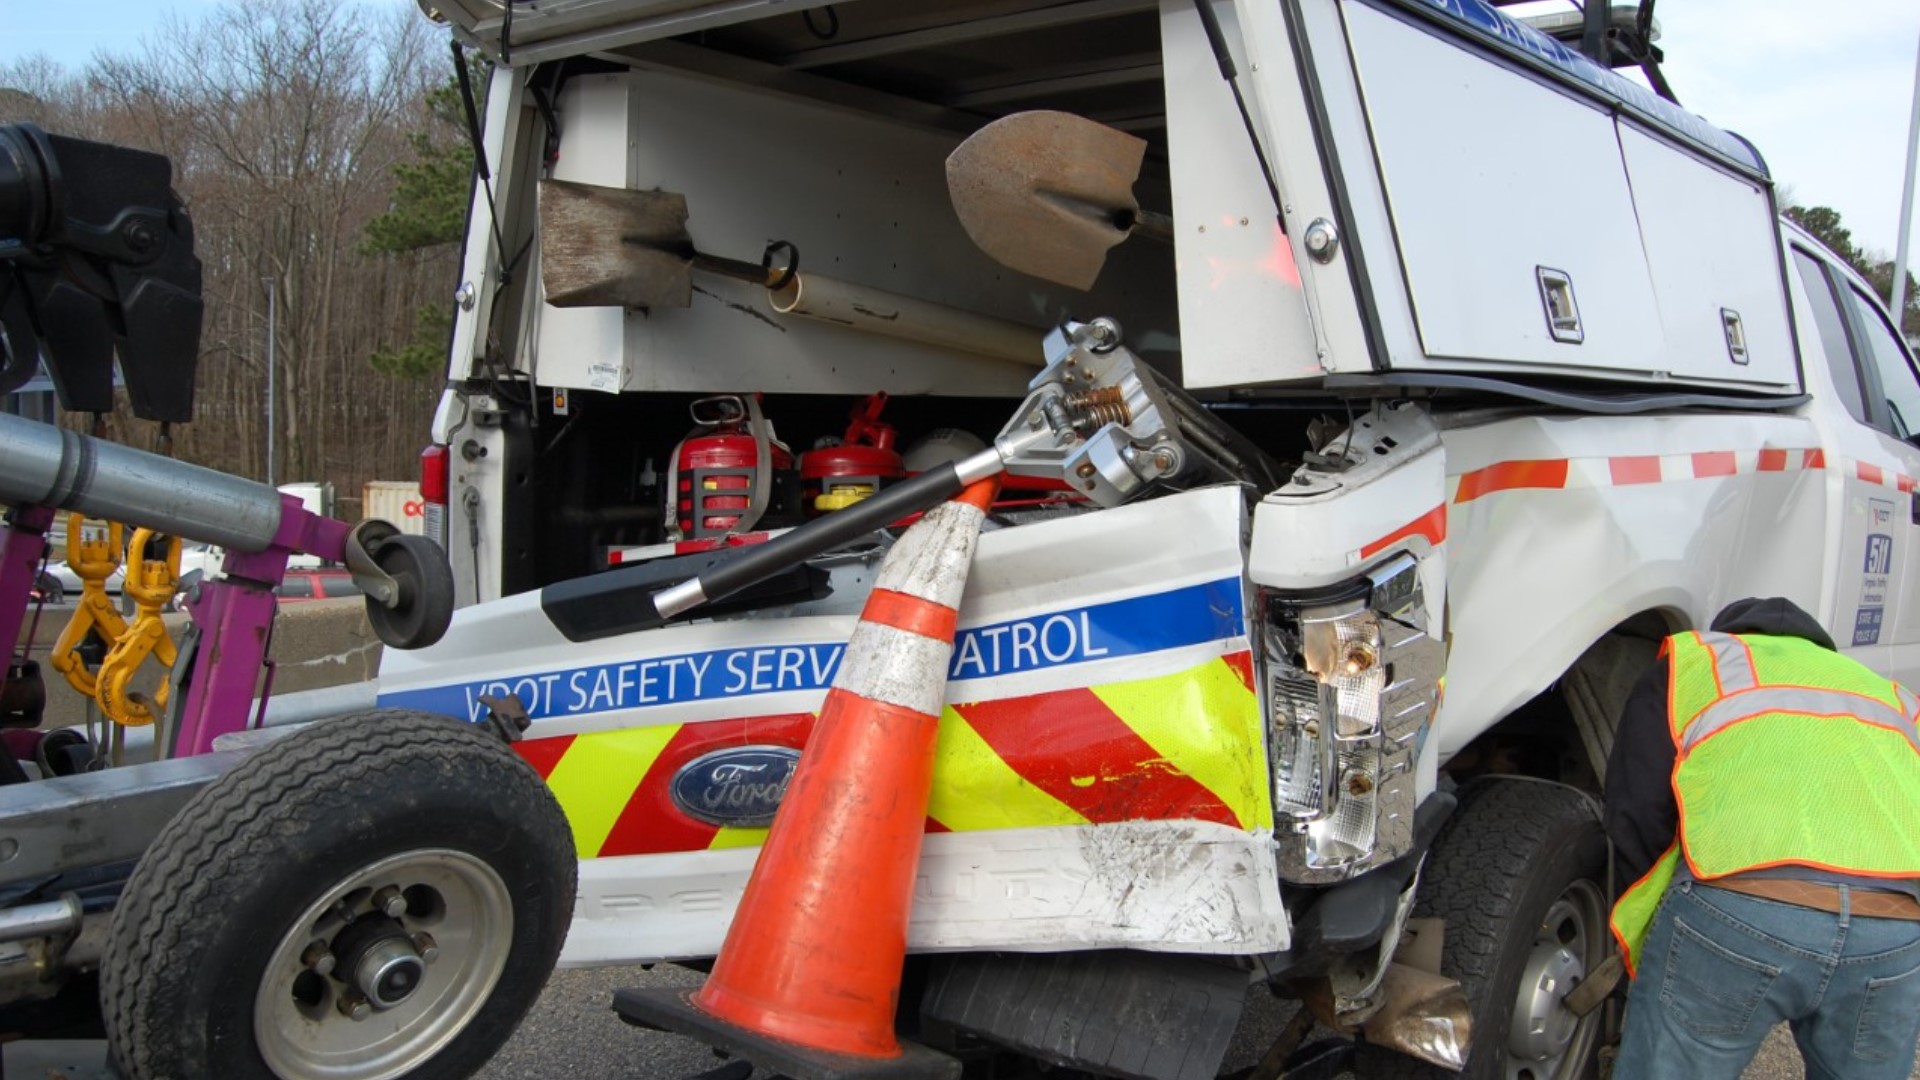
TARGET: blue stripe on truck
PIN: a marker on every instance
(1133, 626)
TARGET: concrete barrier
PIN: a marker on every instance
(316, 644)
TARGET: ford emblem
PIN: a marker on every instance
(741, 786)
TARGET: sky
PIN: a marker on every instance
(1822, 87)
(72, 32)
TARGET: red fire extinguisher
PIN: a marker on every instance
(724, 472)
(835, 477)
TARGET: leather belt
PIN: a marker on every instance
(1869, 903)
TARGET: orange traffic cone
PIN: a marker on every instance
(809, 977)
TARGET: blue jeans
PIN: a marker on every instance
(1719, 968)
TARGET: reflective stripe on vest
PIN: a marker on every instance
(1785, 753)
(1732, 663)
(1781, 699)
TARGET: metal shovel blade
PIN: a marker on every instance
(1047, 193)
(611, 247)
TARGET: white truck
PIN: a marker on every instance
(1480, 369)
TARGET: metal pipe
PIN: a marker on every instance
(50, 466)
(877, 311)
(60, 916)
(273, 366)
(758, 562)
(1899, 298)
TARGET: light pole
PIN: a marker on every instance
(272, 367)
(1906, 207)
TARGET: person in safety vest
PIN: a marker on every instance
(1763, 796)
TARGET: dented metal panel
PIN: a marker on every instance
(1559, 530)
(1100, 778)
(1166, 887)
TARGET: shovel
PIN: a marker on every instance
(612, 247)
(1050, 193)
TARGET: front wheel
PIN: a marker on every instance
(1518, 878)
(376, 897)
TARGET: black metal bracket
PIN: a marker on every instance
(507, 716)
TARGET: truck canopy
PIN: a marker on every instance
(944, 43)
(1464, 200)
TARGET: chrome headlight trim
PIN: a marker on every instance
(1352, 685)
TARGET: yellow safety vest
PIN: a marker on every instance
(1785, 753)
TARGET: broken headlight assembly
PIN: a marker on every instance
(1352, 685)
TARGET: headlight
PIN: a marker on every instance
(1352, 686)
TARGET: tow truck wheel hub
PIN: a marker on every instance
(421, 936)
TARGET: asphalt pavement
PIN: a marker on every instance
(572, 1034)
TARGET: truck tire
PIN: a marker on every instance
(1519, 876)
(378, 896)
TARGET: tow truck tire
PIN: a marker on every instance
(1519, 876)
(397, 865)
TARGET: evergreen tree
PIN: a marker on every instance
(1825, 224)
(429, 211)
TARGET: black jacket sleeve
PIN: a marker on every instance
(1641, 815)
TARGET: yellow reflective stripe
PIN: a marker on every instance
(974, 790)
(730, 837)
(598, 775)
(1206, 723)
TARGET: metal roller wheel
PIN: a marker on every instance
(426, 592)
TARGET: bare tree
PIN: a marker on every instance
(284, 120)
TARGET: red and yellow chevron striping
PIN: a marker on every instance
(1183, 746)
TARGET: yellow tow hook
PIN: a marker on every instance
(151, 583)
(94, 560)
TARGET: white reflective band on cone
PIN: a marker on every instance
(897, 667)
(931, 561)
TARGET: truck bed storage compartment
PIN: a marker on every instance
(1535, 227)
(862, 198)
(1715, 259)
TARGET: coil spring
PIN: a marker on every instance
(1092, 409)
